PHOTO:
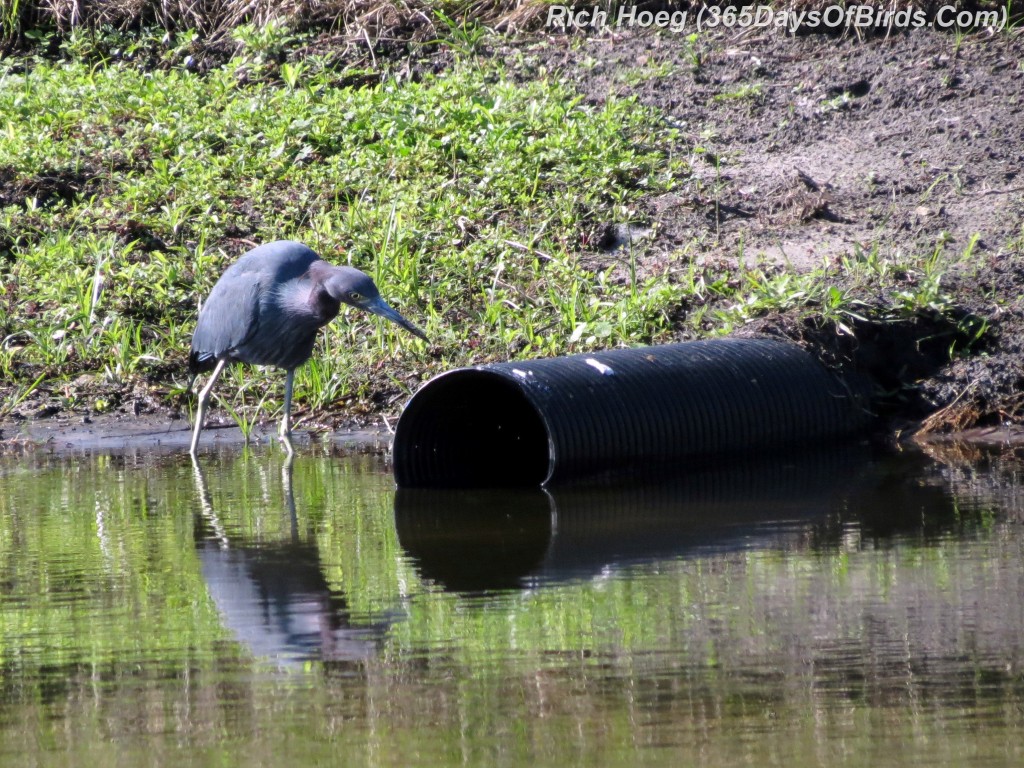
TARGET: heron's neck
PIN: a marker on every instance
(311, 295)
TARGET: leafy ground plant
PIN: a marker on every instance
(466, 195)
(489, 206)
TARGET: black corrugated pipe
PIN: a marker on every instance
(542, 422)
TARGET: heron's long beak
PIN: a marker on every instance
(380, 307)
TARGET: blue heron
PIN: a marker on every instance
(266, 309)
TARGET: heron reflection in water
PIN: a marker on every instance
(272, 595)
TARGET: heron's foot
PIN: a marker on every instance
(285, 438)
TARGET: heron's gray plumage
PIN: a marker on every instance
(256, 313)
(267, 307)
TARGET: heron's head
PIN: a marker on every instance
(350, 286)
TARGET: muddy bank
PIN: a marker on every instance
(121, 434)
(812, 149)
(801, 151)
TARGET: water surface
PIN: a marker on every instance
(844, 609)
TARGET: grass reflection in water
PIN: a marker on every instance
(854, 611)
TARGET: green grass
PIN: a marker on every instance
(884, 288)
(466, 196)
(473, 199)
(744, 92)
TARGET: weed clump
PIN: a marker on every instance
(214, 20)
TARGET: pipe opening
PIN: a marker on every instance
(479, 430)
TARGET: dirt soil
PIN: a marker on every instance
(812, 147)
(815, 145)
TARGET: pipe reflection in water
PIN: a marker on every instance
(482, 540)
(273, 595)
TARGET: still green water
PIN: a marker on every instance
(845, 610)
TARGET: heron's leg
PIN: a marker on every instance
(286, 419)
(204, 399)
(289, 497)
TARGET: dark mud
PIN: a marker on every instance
(125, 433)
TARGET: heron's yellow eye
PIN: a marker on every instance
(355, 296)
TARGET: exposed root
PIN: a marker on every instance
(954, 417)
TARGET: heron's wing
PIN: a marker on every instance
(229, 318)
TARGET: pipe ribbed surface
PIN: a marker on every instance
(541, 422)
